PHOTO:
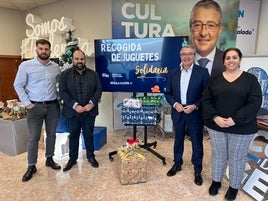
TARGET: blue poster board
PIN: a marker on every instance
(137, 65)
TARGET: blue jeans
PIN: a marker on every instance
(35, 118)
(76, 123)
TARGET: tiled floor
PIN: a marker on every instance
(83, 182)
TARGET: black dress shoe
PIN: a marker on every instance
(198, 179)
(69, 165)
(94, 162)
(51, 163)
(231, 193)
(173, 170)
(29, 173)
(214, 188)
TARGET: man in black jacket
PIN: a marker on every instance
(81, 90)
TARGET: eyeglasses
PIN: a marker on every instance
(197, 26)
(184, 54)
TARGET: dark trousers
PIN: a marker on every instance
(48, 113)
(86, 123)
(195, 129)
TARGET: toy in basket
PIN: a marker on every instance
(151, 101)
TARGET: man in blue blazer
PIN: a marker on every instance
(185, 86)
(81, 90)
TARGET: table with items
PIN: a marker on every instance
(13, 127)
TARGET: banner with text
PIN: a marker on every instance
(137, 65)
(248, 19)
(155, 18)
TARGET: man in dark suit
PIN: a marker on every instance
(81, 90)
(206, 26)
(185, 86)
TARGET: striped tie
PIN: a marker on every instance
(203, 62)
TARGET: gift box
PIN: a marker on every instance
(143, 115)
(132, 167)
(100, 137)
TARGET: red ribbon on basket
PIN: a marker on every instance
(132, 141)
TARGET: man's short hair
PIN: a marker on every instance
(206, 4)
(43, 42)
(190, 47)
(78, 50)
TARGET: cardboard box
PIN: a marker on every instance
(13, 136)
(132, 169)
(100, 138)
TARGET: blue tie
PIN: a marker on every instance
(203, 62)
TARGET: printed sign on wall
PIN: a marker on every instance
(247, 30)
(155, 18)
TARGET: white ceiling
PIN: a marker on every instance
(24, 5)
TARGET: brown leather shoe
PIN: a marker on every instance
(29, 173)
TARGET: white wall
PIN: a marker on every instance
(12, 31)
(262, 40)
(92, 20)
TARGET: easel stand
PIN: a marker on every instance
(145, 145)
(148, 146)
(157, 126)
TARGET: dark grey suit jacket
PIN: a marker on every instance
(68, 92)
(217, 66)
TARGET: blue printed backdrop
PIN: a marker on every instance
(263, 80)
(137, 65)
(159, 18)
(258, 65)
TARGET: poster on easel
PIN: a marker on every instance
(137, 65)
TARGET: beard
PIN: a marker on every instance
(79, 65)
(43, 56)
